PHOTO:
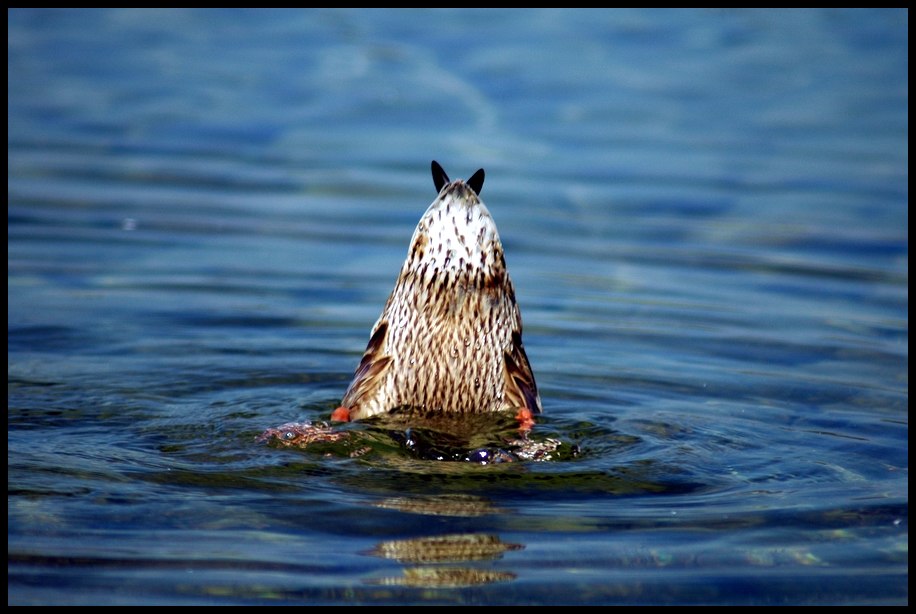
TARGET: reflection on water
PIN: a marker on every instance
(445, 549)
(446, 577)
(705, 216)
(442, 505)
(433, 557)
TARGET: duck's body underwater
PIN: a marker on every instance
(449, 340)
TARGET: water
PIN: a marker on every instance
(705, 217)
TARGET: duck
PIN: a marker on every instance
(449, 339)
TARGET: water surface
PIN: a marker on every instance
(705, 218)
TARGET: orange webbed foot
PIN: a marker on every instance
(341, 414)
(525, 419)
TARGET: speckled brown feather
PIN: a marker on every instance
(450, 336)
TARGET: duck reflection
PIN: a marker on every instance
(466, 506)
(445, 548)
(428, 552)
(444, 577)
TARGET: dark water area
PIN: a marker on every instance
(705, 218)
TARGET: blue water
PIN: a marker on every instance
(705, 218)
